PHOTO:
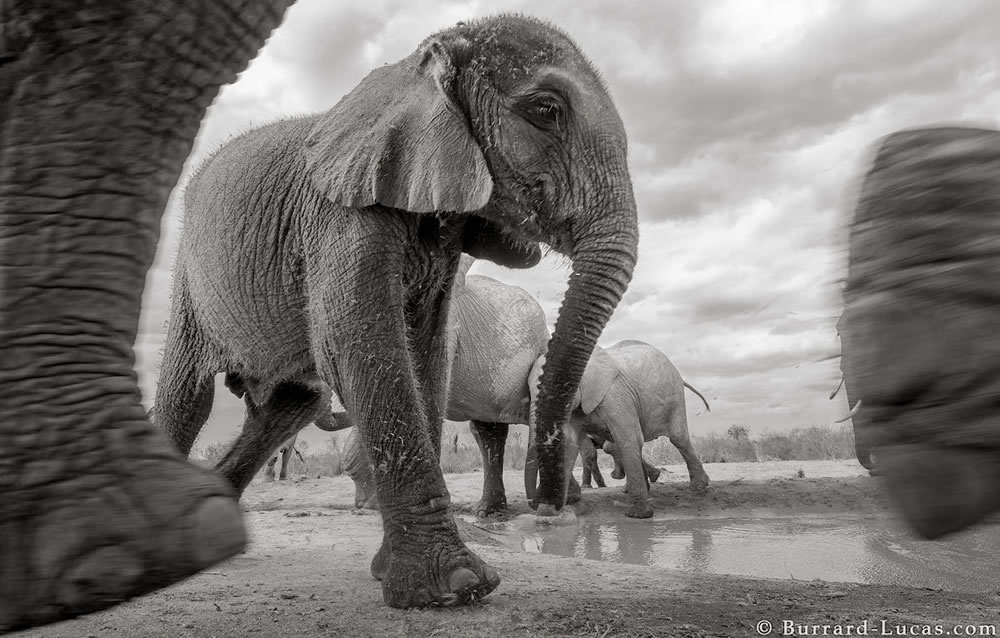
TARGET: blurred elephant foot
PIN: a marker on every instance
(98, 541)
(617, 473)
(941, 490)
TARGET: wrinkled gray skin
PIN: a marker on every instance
(496, 335)
(919, 331)
(632, 393)
(319, 253)
(99, 105)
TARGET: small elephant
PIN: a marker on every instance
(592, 471)
(318, 254)
(632, 393)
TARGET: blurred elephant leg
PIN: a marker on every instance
(919, 332)
(99, 107)
(290, 408)
(358, 467)
(492, 438)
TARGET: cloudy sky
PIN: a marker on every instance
(748, 124)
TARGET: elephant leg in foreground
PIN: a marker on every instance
(359, 468)
(422, 560)
(98, 89)
(492, 438)
(919, 331)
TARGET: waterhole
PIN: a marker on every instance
(838, 549)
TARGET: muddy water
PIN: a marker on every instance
(837, 549)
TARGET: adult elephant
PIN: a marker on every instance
(319, 253)
(99, 104)
(919, 334)
(631, 393)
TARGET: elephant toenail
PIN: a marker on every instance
(218, 530)
(462, 579)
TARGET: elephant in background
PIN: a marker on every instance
(591, 469)
(632, 393)
(285, 451)
(919, 334)
(319, 252)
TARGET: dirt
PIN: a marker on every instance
(306, 572)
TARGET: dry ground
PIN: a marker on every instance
(306, 572)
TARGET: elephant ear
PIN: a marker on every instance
(600, 373)
(400, 140)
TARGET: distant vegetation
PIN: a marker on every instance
(816, 442)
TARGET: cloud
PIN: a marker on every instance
(748, 127)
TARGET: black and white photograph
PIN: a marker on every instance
(490, 318)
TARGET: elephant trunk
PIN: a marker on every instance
(531, 472)
(603, 260)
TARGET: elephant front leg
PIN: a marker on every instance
(492, 438)
(422, 561)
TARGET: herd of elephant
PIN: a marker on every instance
(497, 335)
(320, 255)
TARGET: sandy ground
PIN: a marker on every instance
(306, 572)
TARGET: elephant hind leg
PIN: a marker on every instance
(491, 437)
(289, 409)
(678, 435)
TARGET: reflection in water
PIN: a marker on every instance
(845, 550)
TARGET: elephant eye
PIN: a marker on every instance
(546, 112)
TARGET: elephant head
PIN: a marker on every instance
(919, 330)
(505, 119)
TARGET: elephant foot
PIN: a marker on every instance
(444, 576)
(97, 539)
(640, 510)
(494, 504)
(269, 478)
(573, 492)
(699, 482)
(586, 486)
(874, 472)
(653, 473)
(941, 490)
(617, 474)
(363, 500)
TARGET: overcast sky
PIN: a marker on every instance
(748, 123)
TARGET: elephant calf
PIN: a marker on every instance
(631, 393)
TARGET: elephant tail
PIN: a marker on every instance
(703, 399)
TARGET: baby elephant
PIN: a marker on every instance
(631, 393)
